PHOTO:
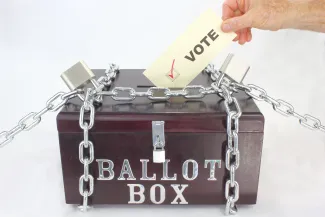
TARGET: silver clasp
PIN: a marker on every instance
(158, 141)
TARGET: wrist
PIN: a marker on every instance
(292, 18)
(306, 15)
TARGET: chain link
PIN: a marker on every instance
(82, 122)
(194, 92)
(118, 90)
(256, 92)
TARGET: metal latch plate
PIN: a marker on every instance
(158, 139)
(158, 133)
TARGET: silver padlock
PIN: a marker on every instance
(158, 140)
(78, 76)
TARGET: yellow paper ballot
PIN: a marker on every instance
(190, 53)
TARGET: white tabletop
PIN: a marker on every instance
(40, 39)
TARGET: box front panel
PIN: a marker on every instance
(194, 172)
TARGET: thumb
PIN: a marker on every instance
(237, 23)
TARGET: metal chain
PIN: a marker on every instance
(282, 107)
(189, 92)
(86, 181)
(33, 119)
(56, 102)
(232, 154)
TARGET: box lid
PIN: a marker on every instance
(180, 115)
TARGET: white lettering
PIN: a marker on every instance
(153, 194)
(165, 172)
(195, 170)
(179, 194)
(212, 168)
(145, 171)
(126, 170)
(108, 169)
(140, 193)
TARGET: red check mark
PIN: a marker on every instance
(172, 70)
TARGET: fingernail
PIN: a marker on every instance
(226, 27)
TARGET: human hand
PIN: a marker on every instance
(241, 16)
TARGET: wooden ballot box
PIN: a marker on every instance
(195, 134)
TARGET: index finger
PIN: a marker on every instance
(228, 9)
(232, 4)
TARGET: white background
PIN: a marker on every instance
(40, 39)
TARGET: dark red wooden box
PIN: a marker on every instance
(194, 129)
